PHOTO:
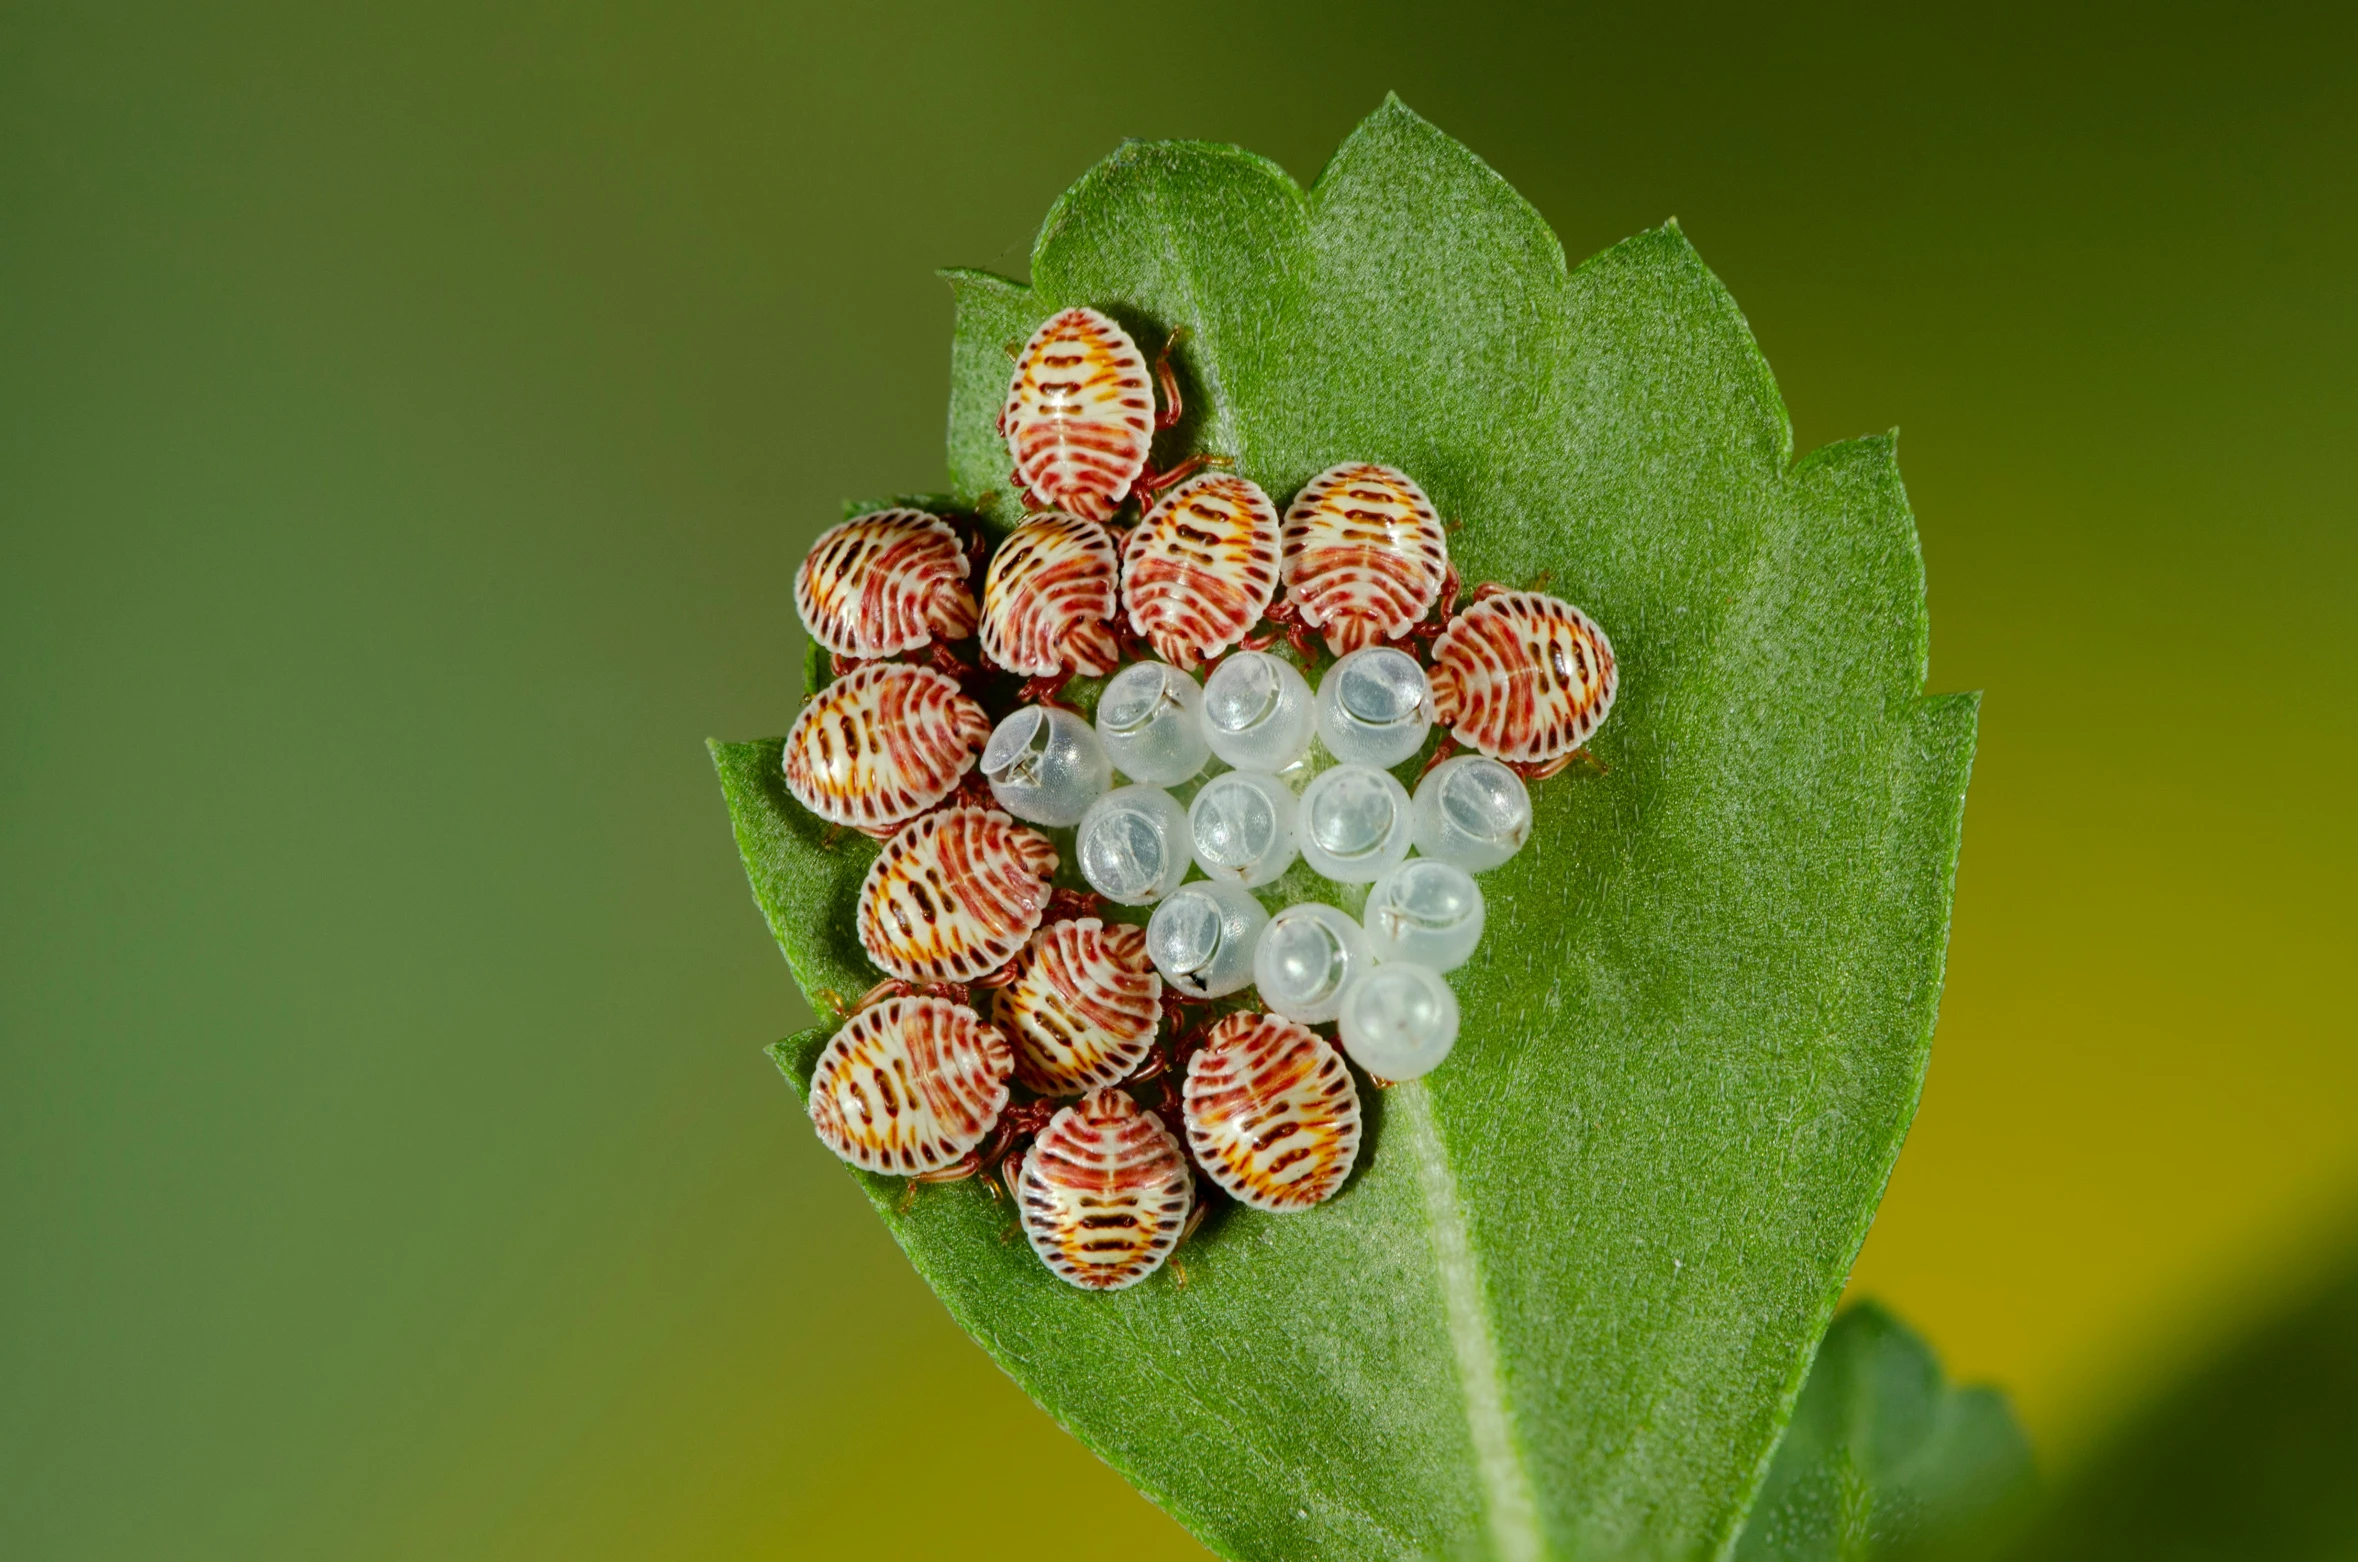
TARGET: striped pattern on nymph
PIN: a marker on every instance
(882, 744)
(1083, 1007)
(1200, 570)
(1104, 1192)
(1048, 599)
(1271, 1112)
(1523, 677)
(954, 896)
(883, 583)
(1365, 556)
(910, 1086)
(1079, 417)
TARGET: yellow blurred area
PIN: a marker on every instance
(409, 423)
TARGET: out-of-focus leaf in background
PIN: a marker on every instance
(1564, 1306)
(2252, 1459)
(1883, 1459)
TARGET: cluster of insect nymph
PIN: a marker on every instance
(1193, 625)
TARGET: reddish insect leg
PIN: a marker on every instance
(1043, 691)
(1150, 483)
(1286, 619)
(1444, 611)
(1540, 770)
(891, 987)
(1168, 380)
(1064, 903)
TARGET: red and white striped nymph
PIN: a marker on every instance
(1083, 1008)
(882, 744)
(910, 1086)
(1048, 599)
(883, 583)
(1200, 570)
(1365, 556)
(1271, 1112)
(1104, 1192)
(1523, 677)
(1079, 417)
(954, 896)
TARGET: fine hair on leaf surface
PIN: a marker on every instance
(1563, 1307)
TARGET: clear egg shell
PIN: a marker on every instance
(1427, 911)
(1471, 811)
(1203, 936)
(1374, 707)
(1399, 1020)
(1308, 957)
(1354, 823)
(1242, 827)
(1044, 764)
(1133, 845)
(1257, 711)
(1151, 720)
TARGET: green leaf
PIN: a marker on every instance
(1883, 1460)
(2253, 1456)
(1564, 1306)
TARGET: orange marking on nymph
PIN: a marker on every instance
(1523, 677)
(1083, 1008)
(1104, 1192)
(1271, 1113)
(954, 895)
(1048, 599)
(1067, 406)
(1365, 555)
(909, 1086)
(1200, 570)
(881, 744)
(883, 583)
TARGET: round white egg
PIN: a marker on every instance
(1202, 937)
(1308, 957)
(1354, 823)
(1133, 845)
(1150, 718)
(1257, 711)
(1472, 811)
(1427, 911)
(1044, 764)
(1242, 825)
(1374, 707)
(1399, 1020)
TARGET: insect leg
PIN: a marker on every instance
(1151, 483)
(1169, 381)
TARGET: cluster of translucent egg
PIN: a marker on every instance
(1377, 977)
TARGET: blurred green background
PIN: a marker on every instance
(410, 419)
